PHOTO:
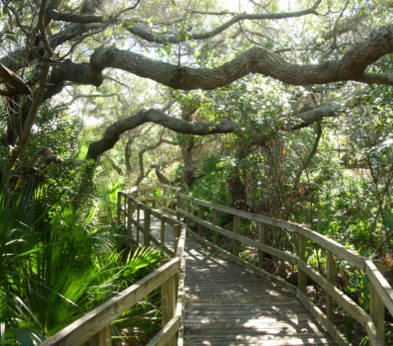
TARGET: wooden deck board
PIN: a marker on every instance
(226, 305)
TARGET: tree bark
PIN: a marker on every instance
(188, 160)
(255, 60)
(113, 132)
(238, 192)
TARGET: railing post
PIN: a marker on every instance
(163, 222)
(176, 231)
(188, 209)
(377, 307)
(178, 216)
(164, 192)
(201, 214)
(215, 222)
(119, 208)
(168, 302)
(146, 195)
(302, 278)
(129, 217)
(261, 236)
(138, 221)
(103, 337)
(329, 269)
(236, 229)
(125, 209)
(146, 225)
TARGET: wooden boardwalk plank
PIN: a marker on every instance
(226, 305)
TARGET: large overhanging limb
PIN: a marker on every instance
(157, 116)
(256, 60)
(113, 132)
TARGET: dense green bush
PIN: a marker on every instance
(54, 266)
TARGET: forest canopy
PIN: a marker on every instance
(52, 46)
(269, 104)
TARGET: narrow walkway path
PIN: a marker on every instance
(226, 305)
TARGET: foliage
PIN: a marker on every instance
(55, 267)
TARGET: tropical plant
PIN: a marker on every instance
(55, 267)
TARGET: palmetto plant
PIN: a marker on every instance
(54, 267)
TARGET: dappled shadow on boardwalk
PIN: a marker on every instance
(226, 305)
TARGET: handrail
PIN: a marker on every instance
(381, 293)
(96, 324)
(129, 207)
(99, 319)
(337, 249)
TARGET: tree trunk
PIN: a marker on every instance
(238, 193)
(188, 160)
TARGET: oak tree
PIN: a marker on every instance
(51, 45)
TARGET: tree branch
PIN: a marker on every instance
(376, 78)
(185, 36)
(113, 132)
(161, 177)
(30, 118)
(310, 156)
(142, 174)
(17, 83)
(256, 60)
(307, 118)
(76, 18)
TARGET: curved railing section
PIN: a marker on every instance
(204, 217)
(96, 325)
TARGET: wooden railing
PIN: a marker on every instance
(133, 202)
(205, 215)
(96, 325)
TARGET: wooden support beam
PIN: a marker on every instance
(119, 194)
(329, 268)
(125, 208)
(103, 337)
(189, 211)
(146, 226)
(168, 303)
(261, 235)
(215, 222)
(377, 307)
(201, 215)
(129, 217)
(302, 278)
(176, 231)
(163, 224)
(164, 193)
(236, 229)
(138, 222)
(178, 200)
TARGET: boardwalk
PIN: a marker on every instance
(226, 305)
